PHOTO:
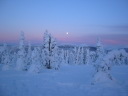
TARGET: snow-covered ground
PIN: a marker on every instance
(69, 80)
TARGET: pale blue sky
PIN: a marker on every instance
(81, 18)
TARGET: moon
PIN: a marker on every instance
(67, 33)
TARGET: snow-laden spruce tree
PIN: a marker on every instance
(117, 57)
(102, 65)
(13, 58)
(71, 58)
(99, 54)
(4, 50)
(29, 52)
(122, 57)
(49, 46)
(56, 59)
(43, 57)
(114, 57)
(92, 57)
(100, 50)
(0, 54)
(87, 56)
(80, 55)
(6, 61)
(67, 56)
(75, 54)
(62, 56)
(81, 59)
(6, 58)
(102, 74)
(36, 65)
(21, 54)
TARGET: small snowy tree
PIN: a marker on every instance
(78, 56)
(49, 46)
(13, 59)
(21, 62)
(67, 56)
(0, 54)
(56, 60)
(92, 56)
(6, 61)
(62, 56)
(71, 58)
(87, 56)
(3, 52)
(43, 57)
(6, 58)
(36, 65)
(100, 50)
(55, 55)
(29, 56)
(102, 71)
(81, 58)
(75, 54)
(99, 54)
(104, 65)
(117, 57)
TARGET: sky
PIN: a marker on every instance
(84, 20)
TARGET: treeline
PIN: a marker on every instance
(50, 56)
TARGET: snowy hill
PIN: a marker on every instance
(68, 81)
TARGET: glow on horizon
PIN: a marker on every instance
(90, 40)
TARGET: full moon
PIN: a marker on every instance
(67, 33)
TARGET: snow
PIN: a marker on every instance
(69, 80)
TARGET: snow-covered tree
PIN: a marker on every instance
(81, 58)
(28, 61)
(22, 40)
(43, 57)
(117, 57)
(0, 55)
(36, 65)
(67, 56)
(104, 65)
(71, 58)
(75, 54)
(49, 46)
(56, 60)
(62, 56)
(99, 54)
(92, 57)
(101, 65)
(6, 61)
(21, 62)
(102, 71)
(80, 55)
(13, 58)
(100, 50)
(5, 57)
(87, 56)
(21, 54)
(4, 51)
